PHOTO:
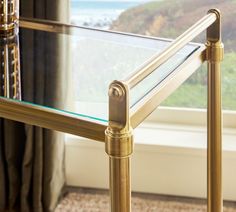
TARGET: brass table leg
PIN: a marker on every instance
(214, 151)
(120, 184)
(119, 147)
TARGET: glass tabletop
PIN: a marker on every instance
(71, 71)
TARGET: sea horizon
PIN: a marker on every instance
(99, 13)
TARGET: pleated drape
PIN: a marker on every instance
(32, 158)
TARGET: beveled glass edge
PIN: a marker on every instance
(161, 81)
(154, 98)
(54, 119)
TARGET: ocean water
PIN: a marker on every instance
(98, 14)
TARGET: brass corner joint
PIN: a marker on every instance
(119, 145)
(215, 47)
(214, 51)
(119, 138)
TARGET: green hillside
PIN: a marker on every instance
(169, 19)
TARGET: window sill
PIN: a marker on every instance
(184, 136)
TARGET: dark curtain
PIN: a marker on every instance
(32, 158)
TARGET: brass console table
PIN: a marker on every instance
(138, 73)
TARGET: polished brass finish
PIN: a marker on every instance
(118, 134)
(5, 86)
(16, 71)
(10, 82)
(120, 191)
(157, 60)
(154, 98)
(44, 25)
(214, 157)
(52, 119)
(214, 55)
(119, 147)
(9, 10)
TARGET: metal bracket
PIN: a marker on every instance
(215, 48)
(119, 139)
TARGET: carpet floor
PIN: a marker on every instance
(93, 200)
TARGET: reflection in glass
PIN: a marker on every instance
(9, 15)
(10, 82)
(72, 71)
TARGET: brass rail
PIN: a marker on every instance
(52, 119)
(157, 60)
(154, 98)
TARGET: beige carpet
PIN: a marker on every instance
(92, 200)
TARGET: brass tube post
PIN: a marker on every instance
(214, 145)
(119, 147)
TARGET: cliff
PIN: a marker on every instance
(170, 18)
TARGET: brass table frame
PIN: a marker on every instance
(118, 137)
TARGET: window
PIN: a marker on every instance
(166, 18)
(179, 143)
